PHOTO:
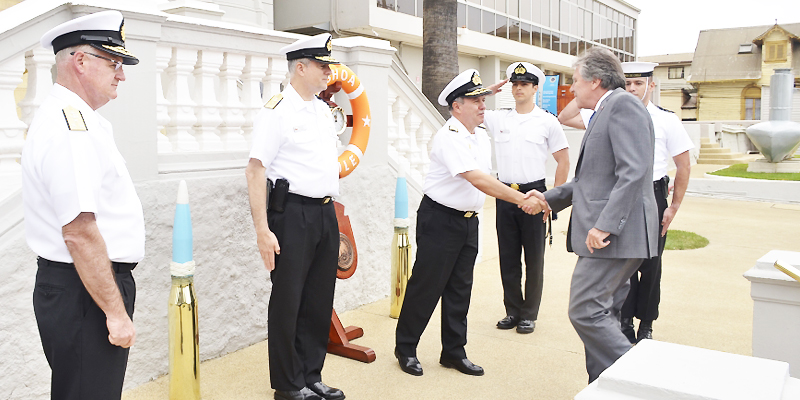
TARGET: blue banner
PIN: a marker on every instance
(549, 93)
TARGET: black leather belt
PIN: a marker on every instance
(296, 198)
(527, 187)
(119, 267)
(449, 210)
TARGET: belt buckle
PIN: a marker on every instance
(468, 214)
(326, 200)
(515, 186)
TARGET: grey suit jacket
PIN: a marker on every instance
(613, 185)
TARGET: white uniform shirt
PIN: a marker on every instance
(66, 172)
(454, 151)
(522, 143)
(296, 141)
(671, 139)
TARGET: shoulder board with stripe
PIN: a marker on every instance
(482, 126)
(452, 129)
(273, 102)
(664, 109)
(74, 118)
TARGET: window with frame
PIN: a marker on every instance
(751, 97)
(675, 72)
(775, 51)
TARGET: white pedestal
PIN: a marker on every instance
(764, 166)
(776, 310)
(656, 370)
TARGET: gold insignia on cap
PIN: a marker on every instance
(520, 70)
(328, 45)
(274, 101)
(122, 31)
(119, 49)
(476, 79)
(74, 119)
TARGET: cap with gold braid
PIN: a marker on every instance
(525, 72)
(466, 84)
(104, 31)
(317, 48)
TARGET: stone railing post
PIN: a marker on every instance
(163, 55)
(207, 111)
(39, 63)
(12, 128)
(255, 69)
(181, 105)
(232, 109)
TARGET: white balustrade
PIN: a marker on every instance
(391, 128)
(253, 75)
(12, 128)
(232, 110)
(39, 63)
(278, 67)
(207, 111)
(163, 55)
(181, 106)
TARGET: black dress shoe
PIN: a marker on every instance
(526, 326)
(645, 331)
(302, 394)
(626, 324)
(463, 365)
(508, 322)
(326, 392)
(409, 365)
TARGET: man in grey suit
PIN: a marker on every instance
(614, 208)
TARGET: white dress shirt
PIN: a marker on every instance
(67, 170)
(456, 150)
(671, 139)
(522, 143)
(296, 141)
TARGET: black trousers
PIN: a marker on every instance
(303, 283)
(447, 245)
(645, 293)
(84, 364)
(516, 231)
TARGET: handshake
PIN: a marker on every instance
(534, 202)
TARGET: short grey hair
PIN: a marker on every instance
(459, 100)
(600, 63)
(64, 54)
(293, 63)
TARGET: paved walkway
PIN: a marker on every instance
(705, 303)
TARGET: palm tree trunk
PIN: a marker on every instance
(439, 48)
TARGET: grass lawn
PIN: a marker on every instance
(682, 240)
(740, 171)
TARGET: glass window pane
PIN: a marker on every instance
(500, 5)
(419, 8)
(513, 30)
(488, 22)
(488, 3)
(501, 26)
(554, 14)
(513, 8)
(536, 11)
(473, 19)
(544, 15)
(387, 4)
(564, 17)
(525, 33)
(461, 15)
(406, 6)
(547, 38)
(525, 10)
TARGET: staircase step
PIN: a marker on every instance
(710, 146)
(719, 150)
(723, 162)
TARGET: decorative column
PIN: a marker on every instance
(413, 122)
(425, 135)
(232, 109)
(391, 128)
(275, 76)
(39, 63)
(401, 144)
(206, 72)
(181, 107)
(163, 55)
(255, 69)
(12, 128)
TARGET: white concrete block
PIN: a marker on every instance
(658, 370)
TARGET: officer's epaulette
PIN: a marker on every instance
(549, 112)
(452, 129)
(74, 119)
(504, 109)
(273, 102)
(482, 126)
(664, 109)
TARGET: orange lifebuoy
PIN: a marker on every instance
(351, 156)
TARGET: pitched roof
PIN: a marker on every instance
(717, 57)
(666, 59)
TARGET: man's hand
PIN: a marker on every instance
(532, 205)
(496, 87)
(669, 214)
(596, 239)
(268, 246)
(120, 330)
(545, 207)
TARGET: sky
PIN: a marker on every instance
(672, 26)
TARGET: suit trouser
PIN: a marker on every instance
(645, 293)
(84, 364)
(516, 231)
(303, 283)
(596, 295)
(447, 246)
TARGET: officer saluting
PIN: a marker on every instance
(82, 215)
(294, 146)
(524, 137)
(447, 227)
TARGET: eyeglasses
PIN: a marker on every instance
(117, 64)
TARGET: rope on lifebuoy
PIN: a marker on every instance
(354, 151)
